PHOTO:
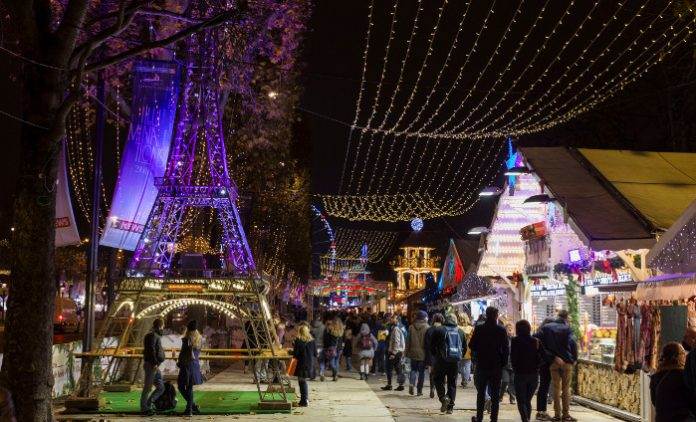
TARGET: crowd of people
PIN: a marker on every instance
(452, 351)
(499, 357)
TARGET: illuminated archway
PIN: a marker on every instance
(164, 307)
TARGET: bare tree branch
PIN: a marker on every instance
(209, 23)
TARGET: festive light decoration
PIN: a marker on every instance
(164, 307)
(349, 243)
(417, 224)
(679, 255)
(547, 63)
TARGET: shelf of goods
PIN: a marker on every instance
(601, 383)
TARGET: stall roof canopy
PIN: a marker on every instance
(606, 221)
(661, 185)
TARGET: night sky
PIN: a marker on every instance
(635, 119)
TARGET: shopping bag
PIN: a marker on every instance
(292, 367)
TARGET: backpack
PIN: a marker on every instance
(452, 348)
(366, 342)
(166, 401)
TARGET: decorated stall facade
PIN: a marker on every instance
(590, 263)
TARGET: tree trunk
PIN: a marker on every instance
(26, 367)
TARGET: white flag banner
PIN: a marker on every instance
(66, 228)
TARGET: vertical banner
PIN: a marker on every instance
(66, 228)
(153, 111)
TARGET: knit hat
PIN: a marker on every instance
(422, 316)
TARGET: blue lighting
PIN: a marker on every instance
(417, 224)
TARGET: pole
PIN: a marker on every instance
(93, 269)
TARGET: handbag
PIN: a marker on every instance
(292, 367)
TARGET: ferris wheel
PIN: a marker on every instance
(323, 243)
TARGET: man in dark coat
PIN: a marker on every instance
(558, 340)
(490, 351)
(447, 346)
(437, 320)
(153, 356)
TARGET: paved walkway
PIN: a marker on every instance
(407, 408)
(348, 399)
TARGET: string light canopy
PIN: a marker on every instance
(453, 79)
(349, 243)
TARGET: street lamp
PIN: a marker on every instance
(517, 171)
(476, 231)
(491, 191)
(539, 199)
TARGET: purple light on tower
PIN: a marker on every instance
(199, 117)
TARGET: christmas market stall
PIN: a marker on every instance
(591, 262)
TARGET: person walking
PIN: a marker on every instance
(305, 351)
(438, 320)
(508, 379)
(317, 331)
(396, 343)
(465, 363)
(153, 356)
(333, 340)
(348, 348)
(525, 357)
(381, 332)
(415, 351)
(559, 341)
(448, 345)
(668, 391)
(366, 344)
(490, 350)
(189, 366)
(542, 400)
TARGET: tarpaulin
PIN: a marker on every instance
(66, 228)
(153, 111)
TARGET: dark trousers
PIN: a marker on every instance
(449, 370)
(525, 386)
(487, 379)
(304, 390)
(394, 364)
(378, 364)
(186, 389)
(417, 375)
(544, 384)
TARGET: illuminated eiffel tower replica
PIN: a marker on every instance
(153, 287)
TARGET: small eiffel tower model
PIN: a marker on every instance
(153, 286)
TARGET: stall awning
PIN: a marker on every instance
(667, 287)
(661, 185)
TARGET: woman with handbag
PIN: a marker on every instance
(189, 366)
(304, 352)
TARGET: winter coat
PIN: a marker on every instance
(690, 373)
(489, 346)
(396, 340)
(153, 352)
(427, 343)
(305, 352)
(188, 363)
(415, 343)
(317, 331)
(670, 397)
(558, 340)
(437, 341)
(468, 330)
(525, 354)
